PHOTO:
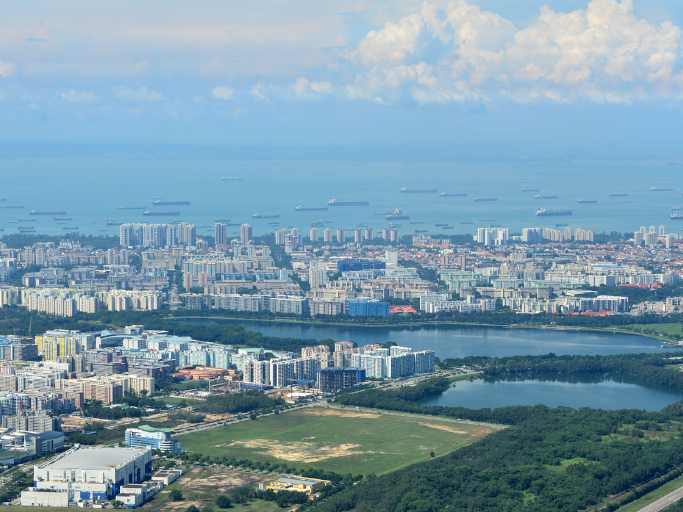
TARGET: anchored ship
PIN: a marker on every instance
(397, 214)
(405, 190)
(658, 189)
(257, 216)
(112, 223)
(169, 214)
(617, 194)
(485, 199)
(542, 212)
(334, 202)
(131, 207)
(529, 189)
(587, 201)
(537, 196)
(310, 208)
(230, 178)
(34, 212)
(675, 216)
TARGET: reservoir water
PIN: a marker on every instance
(595, 391)
(461, 341)
(583, 390)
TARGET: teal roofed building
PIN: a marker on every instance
(155, 438)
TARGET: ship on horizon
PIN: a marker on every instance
(257, 216)
(159, 202)
(446, 194)
(170, 214)
(230, 178)
(557, 225)
(35, 212)
(675, 216)
(677, 207)
(587, 201)
(11, 206)
(416, 222)
(405, 190)
(542, 212)
(62, 218)
(420, 231)
(485, 199)
(658, 189)
(309, 208)
(334, 202)
(466, 222)
(131, 207)
(397, 214)
(523, 189)
(618, 194)
(538, 196)
(113, 223)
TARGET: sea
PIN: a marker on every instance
(90, 190)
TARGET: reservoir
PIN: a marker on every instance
(581, 390)
(461, 341)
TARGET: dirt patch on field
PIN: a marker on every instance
(224, 482)
(337, 413)
(300, 451)
(447, 428)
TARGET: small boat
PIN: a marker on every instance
(587, 201)
(663, 179)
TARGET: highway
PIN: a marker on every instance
(664, 502)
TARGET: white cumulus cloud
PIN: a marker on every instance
(128, 95)
(73, 96)
(457, 51)
(222, 93)
(6, 69)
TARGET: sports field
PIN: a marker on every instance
(339, 440)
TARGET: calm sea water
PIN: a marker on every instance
(90, 189)
(597, 392)
(461, 341)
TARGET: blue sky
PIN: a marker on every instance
(484, 77)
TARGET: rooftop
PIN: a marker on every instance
(147, 428)
(96, 458)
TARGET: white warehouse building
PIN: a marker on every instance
(94, 473)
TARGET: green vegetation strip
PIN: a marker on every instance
(665, 489)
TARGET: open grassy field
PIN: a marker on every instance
(661, 329)
(339, 440)
(201, 486)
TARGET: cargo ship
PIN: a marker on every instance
(70, 228)
(448, 227)
(34, 212)
(587, 201)
(62, 218)
(27, 220)
(405, 190)
(558, 225)
(420, 231)
(485, 199)
(310, 208)
(169, 214)
(160, 203)
(393, 225)
(334, 202)
(617, 194)
(440, 224)
(257, 216)
(445, 194)
(677, 207)
(465, 222)
(488, 220)
(658, 189)
(416, 222)
(537, 196)
(675, 216)
(529, 189)
(131, 207)
(397, 214)
(230, 178)
(112, 223)
(222, 220)
(542, 212)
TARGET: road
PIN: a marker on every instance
(667, 500)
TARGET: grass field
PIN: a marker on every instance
(343, 441)
(660, 329)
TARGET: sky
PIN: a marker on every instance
(475, 78)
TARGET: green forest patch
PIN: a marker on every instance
(335, 440)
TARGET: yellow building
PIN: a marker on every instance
(55, 344)
(299, 484)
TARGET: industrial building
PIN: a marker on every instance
(298, 484)
(93, 473)
(155, 438)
